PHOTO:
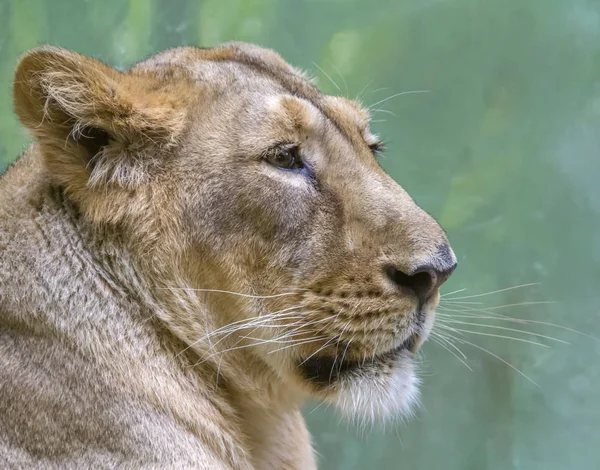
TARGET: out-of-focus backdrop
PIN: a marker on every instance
(503, 149)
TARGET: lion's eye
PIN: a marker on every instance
(286, 159)
(377, 147)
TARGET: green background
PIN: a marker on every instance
(504, 150)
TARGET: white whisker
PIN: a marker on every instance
(261, 324)
(341, 76)
(298, 344)
(275, 340)
(439, 342)
(462, 340)
(383, 111)
(493, 335)
(380, 89)
(521, 304)
(521, 286)
(500, 317)
(317, 351)
(258, 343)
(343, 356)
(360, 93)
(449, 319)
(453, 292)
(244, 323)
(411, 92)
(327, 75)
(230, 292)
(446, 339)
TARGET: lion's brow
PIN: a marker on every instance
(289, 81)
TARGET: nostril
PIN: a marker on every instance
(422, 282)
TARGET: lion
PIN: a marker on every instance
(189, 250)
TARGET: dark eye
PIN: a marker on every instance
(377, 147)
(286, 159)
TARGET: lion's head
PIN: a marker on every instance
(240, 188)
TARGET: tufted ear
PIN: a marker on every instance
(94, 122)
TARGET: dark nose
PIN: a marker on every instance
(424, 281)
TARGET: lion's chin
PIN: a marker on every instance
(379, 392)
(373, 391)
(369, 389)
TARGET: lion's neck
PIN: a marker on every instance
(267, 409)
(84, 288)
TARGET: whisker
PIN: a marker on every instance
(255, 321)
(383, 111)
(521, 304)
(360, 93)
(275, 340)
(229, 292)
(446, 339)
(440, 343)
(260, 324)
(494, 336)
(380, 89)
(327, 75)
(259, 343)
(341, 76)
(318, 406)
(343, 356)
(317, 351)
(500, 317)
(339, 337)
(453, 292)
(244, 323)
(521, 286)
(332, 368)
(449, 319)
(462, 340)
(298, 344)
(411, 92)
(310, 323)
(377, 340)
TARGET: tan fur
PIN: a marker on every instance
(132, 224)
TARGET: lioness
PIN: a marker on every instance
(191, 248)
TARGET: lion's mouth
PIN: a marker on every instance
(325, 370)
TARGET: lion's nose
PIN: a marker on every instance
(424, 280)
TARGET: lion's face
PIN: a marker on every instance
(272, 191)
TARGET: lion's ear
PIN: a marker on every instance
(91, 119)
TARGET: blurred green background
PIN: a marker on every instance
(504, 150)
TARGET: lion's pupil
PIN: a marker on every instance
(286, 159)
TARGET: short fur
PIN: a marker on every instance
(168, 298)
